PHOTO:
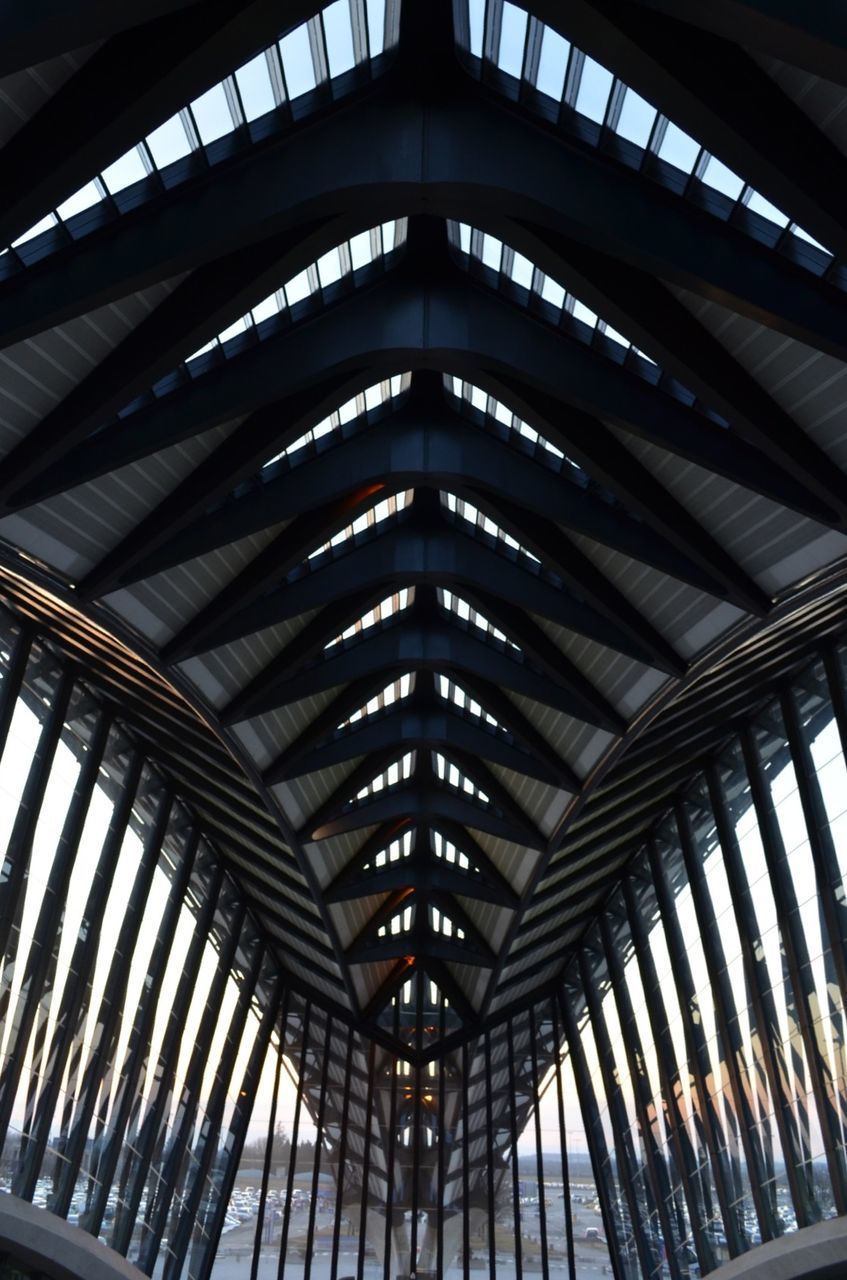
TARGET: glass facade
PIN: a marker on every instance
(675, 1098)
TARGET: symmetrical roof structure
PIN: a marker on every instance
(422, 418)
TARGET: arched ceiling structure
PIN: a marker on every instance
(437, 398)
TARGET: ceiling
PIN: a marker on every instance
(439, 405)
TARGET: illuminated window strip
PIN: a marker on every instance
(443, 848)
(450, 773)
(494, 408)
(375, 515)
(338, 263)
(395, 852)
(473, 516)
(444, 925)
(387, 697)
(453, 693)
(401, 923)
(540, 58)
(373, 397)
(500, 257)
(398, 771)
(387, 608)
(456, 605)
(344, 35)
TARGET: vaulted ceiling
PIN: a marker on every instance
(437, 399)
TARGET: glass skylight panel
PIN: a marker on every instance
(451, 692)
(577, 82)
(448, 771)
(473, 516)
(371, 398)
(394, 852)
(394, 692)
(513, 24)
(398, 771)
(399, 923)
(445, 849)
(333, 266)
(552, 64)
(369, 519)
(344, 35)
(718, 176)
(455, 604)
(496, 409)
(444, 925)
(387, 608)
(595, 87)
(636, 119)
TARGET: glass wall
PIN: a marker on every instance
(676, 1098)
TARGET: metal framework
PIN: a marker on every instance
(423, 503)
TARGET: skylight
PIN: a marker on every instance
(443, 848)
(395, 852)
(346, 34)
(539, 59)
(452, 692)
(467, 613)
(478, 520)
(337, 264)
(366, 401)
(400, 923)
(387, 608)
(444, 925)
(394, 692)
(399, 771)
(494, 408)
(450, 773)
(499, 257)
(377, 514)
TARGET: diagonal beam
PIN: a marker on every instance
(719, 95)
(251, 443)
(145, 74)
(371, 459)
(431, 946)
(562, 556)
(46, 28)
(428, 873)
(401, 972)
(405, 554)
(803, 35)
(407, 645)
(766, 451)
(429, 804)
(603, 456)
(478, 155)
(433, 724)
(336, 805)
(443, 977)
(546, 655)
(320, 740)
(191, 315)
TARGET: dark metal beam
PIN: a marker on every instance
(194, 313)
(719, 95)
(151, 68)
(480, 157)
(803, 35)
(429, 804)
(321, 742)
(423, 873)
(604, 457)
(765, 451)
(409, 727)
(46, 28)
(405, 646)
(409, 552)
